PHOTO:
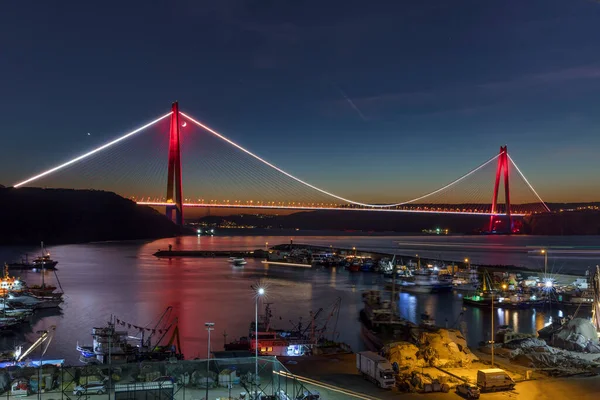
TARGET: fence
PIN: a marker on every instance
(194, 379)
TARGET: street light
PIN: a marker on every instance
(209, 327)
(260, 291)
(545, 253)
(39, 388)
(467, 262)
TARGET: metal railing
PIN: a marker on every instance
(232, 378)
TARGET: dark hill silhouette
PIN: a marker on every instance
(553, 223)
(30, 215)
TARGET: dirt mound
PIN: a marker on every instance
(443, 348)
(578, 334)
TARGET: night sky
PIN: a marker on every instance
(390, 97)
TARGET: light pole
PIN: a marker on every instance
(418, 262)
(545, 253)
(468, 263)
(41, 333)
(209, 327)
(260, 291)
(492, 328)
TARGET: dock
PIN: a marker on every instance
(211, 253)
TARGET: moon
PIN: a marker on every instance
(184, 124)
(89, 134)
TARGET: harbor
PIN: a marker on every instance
(194, 286)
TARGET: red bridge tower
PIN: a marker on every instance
(502, 167)
(174, 175)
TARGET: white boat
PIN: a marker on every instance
(425, 282)
(30, 301)
(238, 262)
(466, 280)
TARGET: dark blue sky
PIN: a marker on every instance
(437, 86)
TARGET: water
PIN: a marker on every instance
(125, 280)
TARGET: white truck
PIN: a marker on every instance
(493, 379)
(376, 368)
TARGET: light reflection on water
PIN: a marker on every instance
(125, 279)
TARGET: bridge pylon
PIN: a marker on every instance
(174, 186)
(500, 169)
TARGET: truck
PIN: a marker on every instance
(376, 369)
(493, 379)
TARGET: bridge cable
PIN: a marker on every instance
(89, 153)
(324, 191)
(527, 182)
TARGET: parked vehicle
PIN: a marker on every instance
(376, 368)
(468, 390)
(494, 379)
(20, 387)
(90, 388)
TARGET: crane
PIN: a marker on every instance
(166, 313)
(47, 337)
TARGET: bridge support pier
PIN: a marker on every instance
(502, 167)
(174, 186)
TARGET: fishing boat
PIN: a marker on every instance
(574, 298)
(16, 285)
(380, 323)
(9, 284)
(488, 294)
(367, 265)
(298, 341)
(26, 300)
(426, 281)
(113, 344)
(355, 265)
(40, 263)
(466, 280)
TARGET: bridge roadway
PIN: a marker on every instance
(315, 208)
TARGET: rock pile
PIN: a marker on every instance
(536, 353)
(578, 334)
(442, 348)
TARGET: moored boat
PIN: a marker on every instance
(573, 298)
(111, 343)
(466, 280)
(35, 302)
(41, 262)
(425, 282)
(380, 324)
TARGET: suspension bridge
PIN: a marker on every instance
(221, 173)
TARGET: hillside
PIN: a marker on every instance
(565, 223)
(30, 215)
(361, 221)
(561, 223)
